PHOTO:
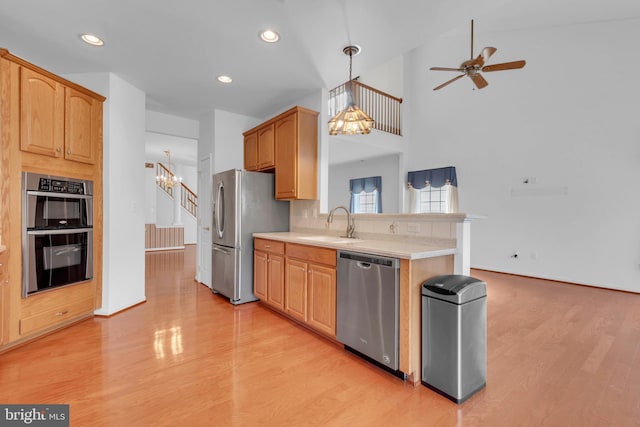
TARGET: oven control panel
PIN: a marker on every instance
(61, 186)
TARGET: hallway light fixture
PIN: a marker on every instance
(352, 120)
(164, 176)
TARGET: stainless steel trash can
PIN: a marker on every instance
(454, 335)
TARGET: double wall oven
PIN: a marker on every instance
(57, 232)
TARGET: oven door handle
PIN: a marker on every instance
(59, 195)
(58, 231)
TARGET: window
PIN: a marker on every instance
(433, 199)
(433, 191)
(365, 195)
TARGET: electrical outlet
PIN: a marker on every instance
(413, 227)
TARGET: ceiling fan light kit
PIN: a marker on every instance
(473, 67)
(351, 120)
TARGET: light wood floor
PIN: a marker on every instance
(558, 355)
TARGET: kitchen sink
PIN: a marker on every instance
(329, 239)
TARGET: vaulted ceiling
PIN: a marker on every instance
(174, 50)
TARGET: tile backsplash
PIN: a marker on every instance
(437, 228)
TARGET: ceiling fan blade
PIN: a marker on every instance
(487, 52)
(479, 81)
(483, 57)
(504, 66)
(449, 82)
(446, 69)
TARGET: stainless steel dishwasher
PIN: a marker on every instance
(368, 307)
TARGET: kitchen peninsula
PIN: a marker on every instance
(440, 246)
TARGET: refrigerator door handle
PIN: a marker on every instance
(226, 252)
(219, 211)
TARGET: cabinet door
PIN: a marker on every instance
(296, 290)
(251, 151)
(41, 114)
(322, 299)
(260, 275)
(266, 148)
(286, 157)
(275, 282)
(82, 115)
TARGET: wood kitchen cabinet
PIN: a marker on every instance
(4, 292)
(296, 135)
(299, 281)
(57, 121)
(251, 151)
(287, 144)
(310, 286)
(41, 114)
(259, 148)
(268, 272)
(52, 126)
(83, 130)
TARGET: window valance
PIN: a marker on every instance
(367, 184)
(436, 177)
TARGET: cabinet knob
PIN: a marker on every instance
(58, 150)
(68, 151)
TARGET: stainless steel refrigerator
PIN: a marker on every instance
(243, 203)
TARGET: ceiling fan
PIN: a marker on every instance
(473, 67)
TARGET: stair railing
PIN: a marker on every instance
(167, 180)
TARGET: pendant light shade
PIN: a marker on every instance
(352, 120)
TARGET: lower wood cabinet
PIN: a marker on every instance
(268, 272)
(296, 290)
(4, 296)
(49, 309)
(321, 290)
(302, 283)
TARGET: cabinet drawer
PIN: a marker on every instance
(271, 246)
(312, 253)
(53, 317)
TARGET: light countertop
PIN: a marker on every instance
(407, 249)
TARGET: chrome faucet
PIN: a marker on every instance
(351, 227)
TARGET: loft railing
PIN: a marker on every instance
(383, 108)
(188, 199)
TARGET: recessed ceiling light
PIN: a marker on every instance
(225, 79)
(269, 36)
(92, 39)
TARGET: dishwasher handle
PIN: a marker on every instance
(370, 259)
(364, 265)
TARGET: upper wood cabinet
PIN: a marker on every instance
(251, 151)
(259, 149)
(41, 114)
(83, 115)
(297, 155)
(58, 121)
(266, 148)
(288, 143)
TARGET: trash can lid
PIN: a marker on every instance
(455, 288)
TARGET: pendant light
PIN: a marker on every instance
(352, 120)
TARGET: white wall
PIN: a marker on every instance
(568, 119)
(228, 139)
(124, 127)
(386, 166)
(172, 125)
